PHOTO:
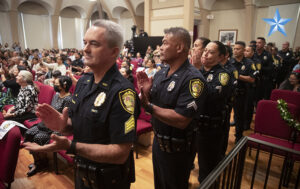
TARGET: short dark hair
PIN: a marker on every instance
(242, 43)
(204, 40)
(181, 34)
(228, 50)
(65, 80)
(56, 74)
(221, 48)
(261, 38)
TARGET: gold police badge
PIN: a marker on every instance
(258, 65)
(223, 78)
(171, 86)
(196, 87)
(236, 74)
(100, 99)
(127, 99)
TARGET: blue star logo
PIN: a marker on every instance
(277, 23)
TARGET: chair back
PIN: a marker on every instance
(269, 122)
(46, 94)
(288, 96)
(9, 150)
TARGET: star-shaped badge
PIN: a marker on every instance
(277, 23)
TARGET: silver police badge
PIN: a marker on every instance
(210, 77)
(287, 54)
(265, 58)
(243, 67)
(100, 99)
(171, 86)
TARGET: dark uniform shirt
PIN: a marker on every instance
(247, 68)
(104, 113)
(77, 62)
(266, 63)
(219, 90)
(183, 91)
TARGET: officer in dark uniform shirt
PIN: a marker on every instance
(230, 102)
(102, 116)
(77, 64)
(177, 93)
(265, 86)
(210, 122)
(287, 61)
(245, 68)
(277, 67)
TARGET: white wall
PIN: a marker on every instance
(72, 32)
(126, 24)
(227, 19)
(5, 32)
(37, 31)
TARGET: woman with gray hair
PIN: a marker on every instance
(27, 99)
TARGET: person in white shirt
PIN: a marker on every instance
(57, 66)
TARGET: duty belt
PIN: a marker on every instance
(205, 122)
(97, 176)
(172, 144)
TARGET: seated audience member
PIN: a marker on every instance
(139, 59)
(9, 97)
(151, 68)
(27, 99)
(57, 66)
(35, 64)
(56, 74)
(69, 73)
(77, 64)
(297, 66)
(39, 133)
(126, 73)
(292, 83)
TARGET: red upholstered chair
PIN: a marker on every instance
(9, 152)
(291, 97)
(270, 127)
(143, 126)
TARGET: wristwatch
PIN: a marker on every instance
(72, 149)
(149, 108)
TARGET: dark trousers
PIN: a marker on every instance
(210, 150)
(79, 184)
(171, 170)
(240, 112)
(265, 88)
(226, 129)
(249, 106)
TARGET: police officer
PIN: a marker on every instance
(287, 61)
(230, 101)
(277, 67)
(197, 51)
(177, 93)
(210, 122)
(102, 115)
(265, 86)
(245, 68)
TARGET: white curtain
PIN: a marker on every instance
(126, 24)
(37, 31)
(5, 32)
(72, 32)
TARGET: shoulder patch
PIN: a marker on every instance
(236, 74)
(223, 78)
(129, 125)
(127, 99)
(258, 65)
(196, 87)
(253, 67)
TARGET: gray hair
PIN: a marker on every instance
(181, 34)
(27, 76)
(113, 33)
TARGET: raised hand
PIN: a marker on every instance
(52, 118)
(144, 82)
